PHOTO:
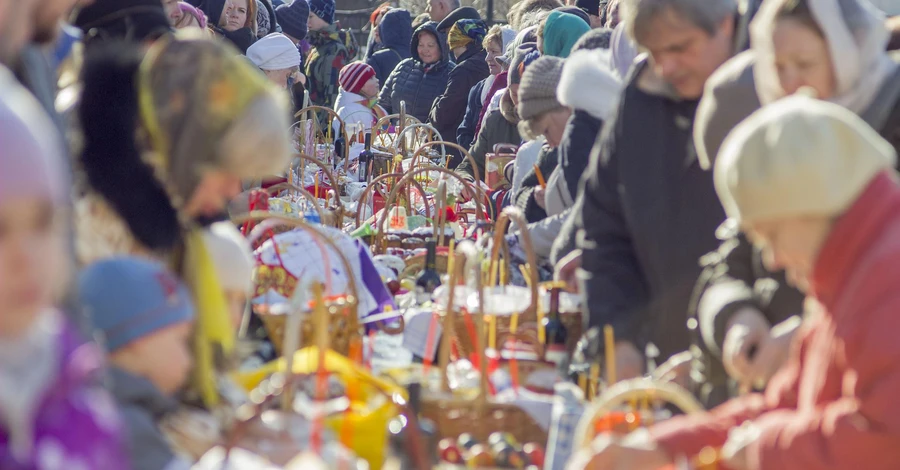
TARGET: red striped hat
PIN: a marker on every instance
(355, 75)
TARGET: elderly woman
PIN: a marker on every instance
(421, 79)
(234, 20)
(278, 58)
(559, 32)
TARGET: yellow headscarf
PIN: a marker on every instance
(457, 38)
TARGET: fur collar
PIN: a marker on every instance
(593, 67)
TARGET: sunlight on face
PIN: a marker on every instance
(494, 50)
(802, 59)
(428, 48)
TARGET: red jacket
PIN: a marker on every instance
(836, 403)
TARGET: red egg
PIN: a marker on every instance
(394, 286)
(535, 454)
(449, 452)
(479, 456)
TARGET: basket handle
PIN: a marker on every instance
(410, 176)
(462, 151)
(513, 214)
(342, 128)
(274, 189)
(364, 197)
(418, 125)
(383, 122)
(499, 149)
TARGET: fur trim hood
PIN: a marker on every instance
(590, 66)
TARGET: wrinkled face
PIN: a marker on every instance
(802, 59)
(216, 189)
(163, 357)
(494, 50)
(32, 261)
(47, 17)
(791, 245)
(234, 16)
(551, 125)
(16, 27)
(315, 23)
(428, 48)
(438, 10)
(371, 88)
(173, 12)
(683, 54)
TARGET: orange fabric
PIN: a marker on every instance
(833, 405)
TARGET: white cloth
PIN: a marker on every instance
(889, 7)
(488, 83)
(526, 157)
(350, 108)
(274, 52)
(594, 67)
(231, 255)
(857, 37)
(624, 51)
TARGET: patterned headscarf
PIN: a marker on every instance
(465, 31)
(190, 93)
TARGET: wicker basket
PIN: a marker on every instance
(344, 328)
(376, 185)
(320, 134)
(482, 415)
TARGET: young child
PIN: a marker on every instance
(234, 265)
(814, 187)
(145, 316)
(53, 412)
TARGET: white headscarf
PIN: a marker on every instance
(857, 39)
(274, 52)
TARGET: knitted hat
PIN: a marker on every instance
(537, 92)
(523, 56)
(274, 52)
(130, 298)
(798, 157)
(31, 159)
(466, 31)
(231, 256)
(324, 9)
(591, 7)
(461, 13)
(136, 20)
(355, 75)
(294, 19)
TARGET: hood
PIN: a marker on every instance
(594, 67)
(131, 390)
(429, 27)
(213, 10)
(395, 29)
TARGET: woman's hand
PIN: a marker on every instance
(637, 451)
(753, 352)
(539, 197)
(567, 268)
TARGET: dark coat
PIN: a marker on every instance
(500, 127)
(447, 113)
(649, 212)
(575, 147)
(396, 32)
(413, 82)
(465, 133)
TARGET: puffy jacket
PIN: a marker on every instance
(395, 30)
(352, 109)
(448, 111)
(833, 404)
(414, 82)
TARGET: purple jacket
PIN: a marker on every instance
(77, 426)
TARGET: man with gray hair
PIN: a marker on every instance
(648, 212)
(440, 9)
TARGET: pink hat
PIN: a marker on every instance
(355, 75)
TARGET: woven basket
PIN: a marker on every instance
(344, 328)
(320, 134)
(482, 415)
(376, 185)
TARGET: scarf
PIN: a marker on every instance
(857, 39)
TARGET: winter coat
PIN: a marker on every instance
(450, 107)
(143, 406)
(416, 83)
(833, 404)
(547, 160)
(500, 127)
(465, 133)
(352, 109)
(74, 423)
(331, 50)
(395, 30)
(734, 277)
(649, 213)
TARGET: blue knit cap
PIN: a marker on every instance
(323, 9)
(129, 298)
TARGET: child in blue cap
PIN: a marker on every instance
(145, 316)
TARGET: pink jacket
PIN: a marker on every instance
(834, 405)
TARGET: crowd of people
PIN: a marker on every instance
(716, 178)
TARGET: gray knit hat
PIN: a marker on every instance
(537, 92)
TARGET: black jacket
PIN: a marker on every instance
(395, 30)
(465, 133)
(575, 147)
(649, 212)
(448, 111)
(413, 82)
